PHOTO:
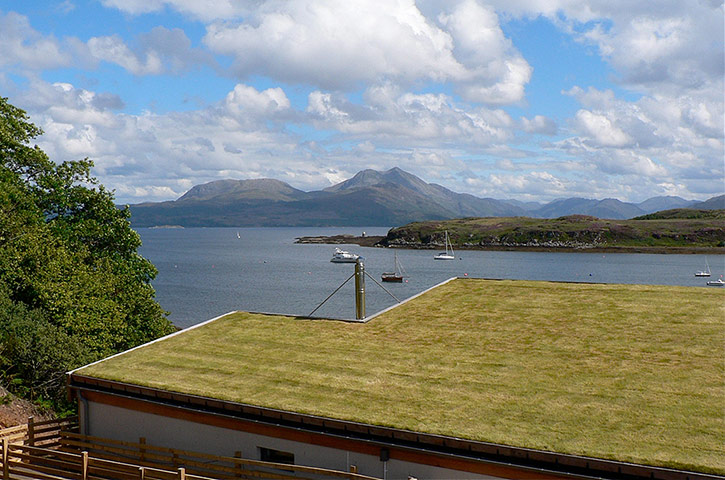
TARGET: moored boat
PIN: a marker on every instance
(343, 256)
(397, 275)
(704, 273)
(448, 254)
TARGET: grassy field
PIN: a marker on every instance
(627, 372)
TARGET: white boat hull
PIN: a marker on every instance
(343, 260)
(341, 256)
(448, 254)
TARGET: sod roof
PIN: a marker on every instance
(626, 372)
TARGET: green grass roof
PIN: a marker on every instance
(627, 372)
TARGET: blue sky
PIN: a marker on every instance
(517, 99)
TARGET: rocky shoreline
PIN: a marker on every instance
(531, 246)
(363, 241)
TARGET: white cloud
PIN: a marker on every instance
(539, 124)
(159, 156)
(660, 121)
(657, 140)
(397, 118)
(69, 105)
(527, 186)
(159, 51)
(373, 73)
(174, 49)
(341, 45)
(113, 49)
(205, 10)
(322, 105)
(336, 44)
(495, 72)
(152, 154)
(245, 100)
(671, 51)
(665, 46)
(601, 130)
(24, 47)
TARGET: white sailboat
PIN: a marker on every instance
(704, 273)
(448, 254)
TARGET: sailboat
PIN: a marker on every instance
(704, 273)
(448, 254)
(397, 274)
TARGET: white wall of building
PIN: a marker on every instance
(122, 424)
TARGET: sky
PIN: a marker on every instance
(530, 100)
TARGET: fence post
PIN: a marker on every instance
(142, 473)
(142, 450)
(182, 473)
(84, 465)
(6, 467)
(31, 431)
(238, 465)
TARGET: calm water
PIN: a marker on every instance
(206, 272)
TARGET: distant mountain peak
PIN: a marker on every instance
(260, 188)
(370, 197)
(371, 178)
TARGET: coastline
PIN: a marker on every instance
(377, 241)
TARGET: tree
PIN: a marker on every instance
(69, 264)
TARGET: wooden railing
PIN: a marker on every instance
(39, 434)
(21, 462)
(46, 451)
(202, 464)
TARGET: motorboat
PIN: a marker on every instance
(343, 256)
(448, 254)
(716, 283)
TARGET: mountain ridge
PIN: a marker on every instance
(369, 198)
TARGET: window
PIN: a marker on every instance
(276, 456)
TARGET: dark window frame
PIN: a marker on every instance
(276, 456)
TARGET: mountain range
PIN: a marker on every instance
(370, 198)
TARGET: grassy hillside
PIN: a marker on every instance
(678, 229)
(684, 213)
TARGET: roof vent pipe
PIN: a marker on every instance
(359, 289)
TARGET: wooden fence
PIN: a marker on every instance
(46, 451)
(22, 462)
(201, 464)
(39, 434)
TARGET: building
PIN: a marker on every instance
(473, 379)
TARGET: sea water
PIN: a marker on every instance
(206, 272)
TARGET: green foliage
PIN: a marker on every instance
(573, 231)
(34, 353)
(74, 286)
(682, 213)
